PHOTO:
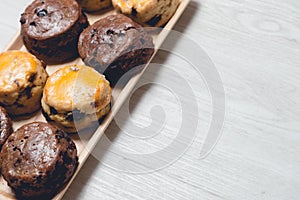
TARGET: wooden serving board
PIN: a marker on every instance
(87, 143)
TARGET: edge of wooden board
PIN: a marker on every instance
(16, 43)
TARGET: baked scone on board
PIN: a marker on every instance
(37, 160)
(5, 126)
(75, 97)
(114, 45)
(50, 29)
(94, 5)
(148, 12)
(22, 79)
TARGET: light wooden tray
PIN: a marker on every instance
(86, 144)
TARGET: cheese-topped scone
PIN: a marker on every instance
(148, 12)
(22, 79)
(75, 97)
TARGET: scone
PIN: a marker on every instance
(114, 45)
(94, 5)
(22, 79)
(38, 159)
(75, 97)
(50, 29)
(148, 12)
(5, 126)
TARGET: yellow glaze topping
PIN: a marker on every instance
(16, 67)
(77, 87)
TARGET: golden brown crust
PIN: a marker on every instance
(22, 78)
(148, 12)
(76, 91)
(77, 87)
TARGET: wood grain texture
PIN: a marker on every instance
(255, 45)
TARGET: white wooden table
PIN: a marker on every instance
(255, 46)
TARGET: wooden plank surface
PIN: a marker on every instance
(255, 46)
(85, 141)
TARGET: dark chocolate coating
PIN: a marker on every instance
(5, 126)
(38, 160)
(50, 29)
(114, 45)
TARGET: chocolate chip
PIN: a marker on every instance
(22, 20)
(154, 20)
(42, 13)
(110, 32)
(53, 110)
(93, 32)
(133, 12)
(32, 77)
(58, 137)
(27, 92)
(32, 24)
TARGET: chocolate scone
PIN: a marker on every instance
(5, 126)
(50, 29)
(114, 45)
(38, 160)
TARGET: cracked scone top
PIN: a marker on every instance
(50, 29)
(76, 96)
(149, 12)
(38, 159)
(114, 45)
(22, 79)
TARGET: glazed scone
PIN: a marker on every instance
(94, 5)
(75, 97)
(115, 45)
(50, 29)
(148, 12)
(22, 79)
(38, 159)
